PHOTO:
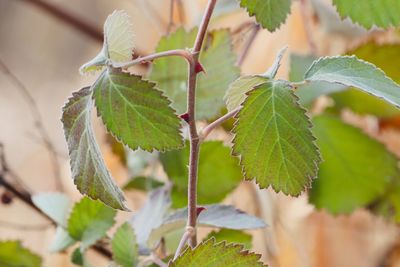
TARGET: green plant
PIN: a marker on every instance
(279, 143)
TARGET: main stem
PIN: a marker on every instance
(191, 112)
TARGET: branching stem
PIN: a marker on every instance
(209, 128)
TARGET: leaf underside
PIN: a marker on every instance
(88, 169)
(274, 141)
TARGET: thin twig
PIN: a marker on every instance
(307, 27)
(181, 12)
(157, 260)
(23, 227)
(248, 45)
(209, 128)
(171, 23)
(38, 122)
(186, 235)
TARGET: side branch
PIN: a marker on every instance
(209, 128)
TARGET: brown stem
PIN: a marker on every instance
(248, 44)
(307, 27)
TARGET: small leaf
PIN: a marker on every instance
(382, 13)
(89, 221)
(124, 247)
(150, 216)
(218, 60)
(135, 112)
(118, 42)
(78, 257)
(210, 254)
(13, 254)
(142, 183)
(352, 71)
(62, 240)
(356, 168)
(271, 14)
(217, 170)
(231, 236)
(54, 205)
(273, 70)
(274, 140)
(88, 169)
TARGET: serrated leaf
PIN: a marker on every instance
(61, 241)
(142, 183)
(212, 254)
(271, 14)
(118, 42)
(217, 170)
(356, 168)
(54, 205)
(218, 60)
(273, 70)
(236, 93)
(88, 169)
(124, 246)
(274, 140)
(351, 71)
(89, 221)
(221, 216)
(135, 112)
(367, 13)
(13, 254)
(308, 92)
(231, 236)
(150, 216)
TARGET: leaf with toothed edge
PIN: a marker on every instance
(124, 246)
(351, 71)
(88, 169)
(135, 112)
(269, 13)
(274, 140)
(212, 254)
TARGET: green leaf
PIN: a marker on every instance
(232, 236)
(218, 60)
(271, 14)
(124, 246)
(89, 221)
(54, 205)
(88, 169)
(219, 173)
(356, 168)
(367, 13)
(211, 254)
(142, 183)
(135, 112)
(274, 140)
(351, 71)
(118, 42)
(236, 93)
(13, 254)
(62, 240)
(308, 92)
(78, 258)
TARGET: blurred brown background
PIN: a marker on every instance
(45, 52)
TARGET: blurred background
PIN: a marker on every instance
(42, 46)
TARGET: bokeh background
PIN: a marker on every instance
(43, 50)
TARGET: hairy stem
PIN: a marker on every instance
(209, 128)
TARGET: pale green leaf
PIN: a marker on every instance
(232, 236)
(142, 183)
(87, 165)
(218, 60)
(54, 205)
(135, 112)
(13, 254)
(367, 13)
(212, 254)
(351, 71)
(273, 70)
(61, 241)
(217, 170)
(124, 246)
(356, 168)
(274, 140)
(89, 221)
(271, 14)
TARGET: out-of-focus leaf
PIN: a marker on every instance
(271, 14)
(135, 112)
(219, 173)
(88, 169)
(78, 258)
(62, 240)
(356, 168)
(89, 221)
(218, 60)
(225, 7)
(139, 160)
(117, 148)
(54, 205)
(13, 254)
(367, 13)
(124, 246)
(388, 205)
(142, 183)
(209, 254)
(274, 140)
(232, 236)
